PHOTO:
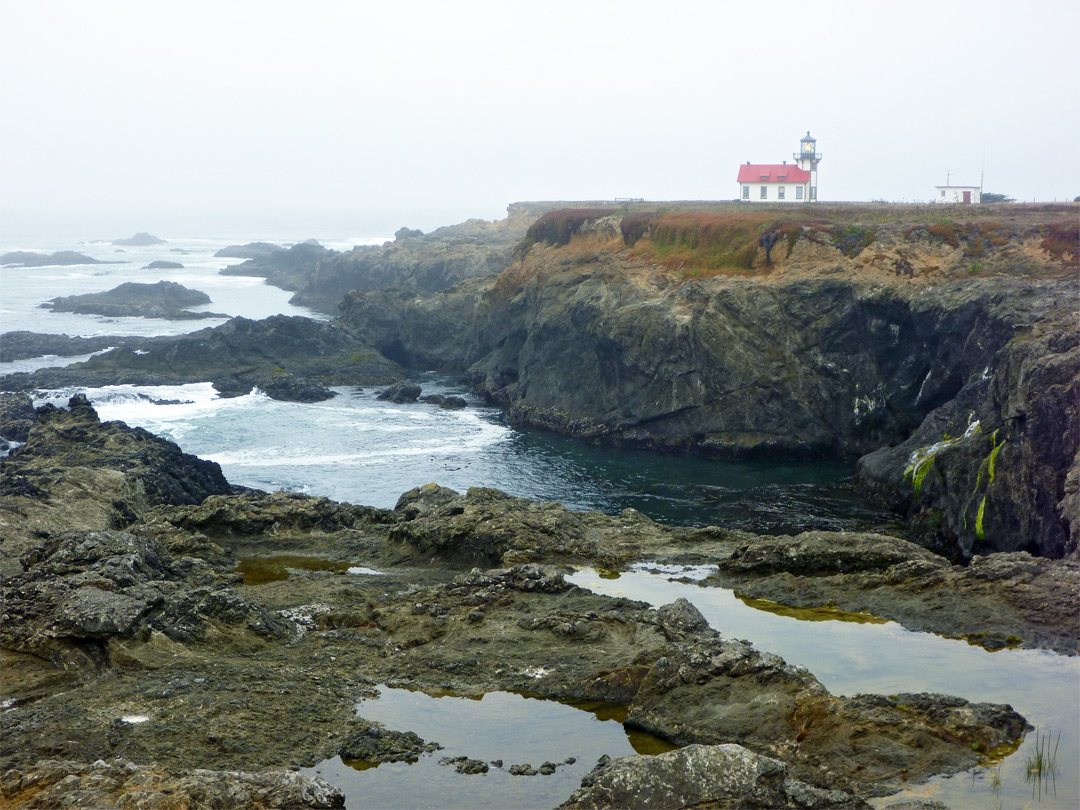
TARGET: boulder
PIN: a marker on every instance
(715, 776)
(400, 392)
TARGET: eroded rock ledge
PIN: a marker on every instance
(145, 644)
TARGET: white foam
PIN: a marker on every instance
(361, 570)
(135, 719)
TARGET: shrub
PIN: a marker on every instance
(557, 227)
(1060, 239)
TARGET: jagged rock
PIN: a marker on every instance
(374, 744)
(120, 784)
(400, 392)
(165, 299)
(83, 589)
(489, 527)
(432, 261)
(715, 776)
(23, 345)
(590, 343)
(236, 356)
(285, 268)
(447, 403)
(17, 414)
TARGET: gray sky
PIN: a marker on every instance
(352, 118)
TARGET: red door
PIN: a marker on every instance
(967, 198)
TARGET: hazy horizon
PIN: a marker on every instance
(341, 118)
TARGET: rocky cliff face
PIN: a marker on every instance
(842, 344)
(430, 262)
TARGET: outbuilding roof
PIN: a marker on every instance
(772, 173)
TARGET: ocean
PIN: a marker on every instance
(357, 449)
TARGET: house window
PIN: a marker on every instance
(813, 192)
(764, 192)
(943, 193)
(780, 192)
(798, 192)
(745, 192)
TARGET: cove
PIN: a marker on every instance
(357, 449)
(516, 729)
(853, 656)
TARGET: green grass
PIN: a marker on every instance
(1041, 765)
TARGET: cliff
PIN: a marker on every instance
(733, 333)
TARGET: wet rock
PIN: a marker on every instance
(225, 517)
(236, 357)
(165, 299)
(162, 265)
(709, 692)
(1007, 599)
(489, 527)
(719, 776)
(445, 402)
(82, 590)
(522, 769)
(465, 765)
(119, 784)
(377, 744)
(400, 392)
(17, 414)
(24, 345)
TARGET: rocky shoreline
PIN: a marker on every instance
(125, 602)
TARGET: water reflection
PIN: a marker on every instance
(884, 658)
(498, 727)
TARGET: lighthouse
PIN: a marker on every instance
(807, 159)
(782, 182)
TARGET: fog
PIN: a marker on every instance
(328, 118)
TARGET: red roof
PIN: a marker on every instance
(772, 173)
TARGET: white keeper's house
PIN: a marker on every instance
(782, 182)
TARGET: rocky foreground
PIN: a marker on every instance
(139, 666)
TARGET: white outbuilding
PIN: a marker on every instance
(964, 195)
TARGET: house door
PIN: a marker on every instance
(967, 198)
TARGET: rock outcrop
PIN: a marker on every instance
(24, 345)
(716, 776)
(165, 299)
(286, 268)
(120, 784)
(252, 250)
(827, 352)
(22, 258)
(288, 358)
(141, 239)
(417, 261)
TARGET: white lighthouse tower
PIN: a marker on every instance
(808, 158)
